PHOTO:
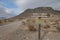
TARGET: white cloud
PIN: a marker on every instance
(4, 9)
(21, 2)
(24, 4)
(5, 12)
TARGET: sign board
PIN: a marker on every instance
(39, 21)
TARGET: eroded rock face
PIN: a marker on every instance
(29, 12)
(39, 10)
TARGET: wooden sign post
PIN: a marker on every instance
(39, 29)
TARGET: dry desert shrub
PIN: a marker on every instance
(23, 22)
(57, 25)
(47, 26)
(30, 25)
(10, 20)
(31, 28)
(2, 21)
(48, 15)
(58, 28)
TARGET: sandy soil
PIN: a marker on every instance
(14, 31)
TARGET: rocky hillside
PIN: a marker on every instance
(39, 10)
(36, 11)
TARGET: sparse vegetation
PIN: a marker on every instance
(30, 25)
(10, 20)
(58, 28)
(0, 22)
(48, 15)
(23, 23)
(47, 26)
(31, 28)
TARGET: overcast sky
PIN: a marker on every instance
(10, 8)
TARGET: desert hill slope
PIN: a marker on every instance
(29, 12)
(38, 10)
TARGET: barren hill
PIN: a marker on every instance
(39, 10)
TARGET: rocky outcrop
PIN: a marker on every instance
(39, 10)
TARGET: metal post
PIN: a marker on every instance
(39, 31)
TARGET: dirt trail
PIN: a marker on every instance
(8, 28)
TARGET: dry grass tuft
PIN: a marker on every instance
(47, 26)
(23, 23)
(31, 28)
(58, 28)
(30, 25)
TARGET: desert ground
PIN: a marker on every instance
(18, 30)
